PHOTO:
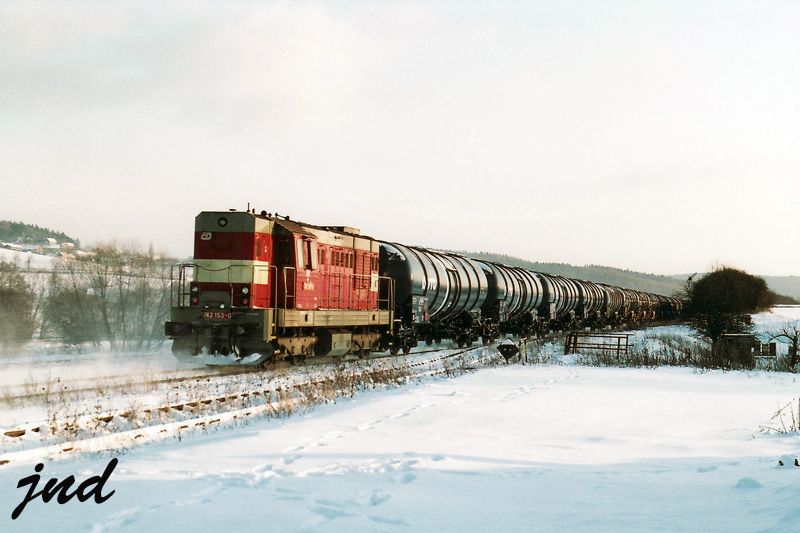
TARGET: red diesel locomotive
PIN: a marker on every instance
(263, 285)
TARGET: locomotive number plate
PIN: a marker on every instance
(216, 315)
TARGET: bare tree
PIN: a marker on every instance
(118, 294)
(71, 308)
(16, 307)
(38, 282)
(791, 332)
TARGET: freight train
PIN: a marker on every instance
(263, 287)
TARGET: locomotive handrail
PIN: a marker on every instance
(230, 283)
(275, 287)
(286, 294)
(178, 294)
(389, 293)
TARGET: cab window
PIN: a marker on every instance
(310, 254)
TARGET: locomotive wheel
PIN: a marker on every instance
(461, 343)
(393, 350)
(428, 341)
(406, 349)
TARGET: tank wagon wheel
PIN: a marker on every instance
(437, 340)
(406, 349)
(428, 341)
(394, 350)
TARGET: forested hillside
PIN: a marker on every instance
(666, 285)
(19, 232)
(788, 285)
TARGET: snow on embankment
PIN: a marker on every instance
(775, 317)
(772, 322)
(515, 448)
(26, 260)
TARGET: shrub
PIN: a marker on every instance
(16, 307)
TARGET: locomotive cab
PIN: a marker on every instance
(264, 287)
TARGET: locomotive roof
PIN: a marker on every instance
(298, 226)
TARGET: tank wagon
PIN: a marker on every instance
(263, 287)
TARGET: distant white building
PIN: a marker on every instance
(50, 248)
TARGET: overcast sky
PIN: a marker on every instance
(656, 136)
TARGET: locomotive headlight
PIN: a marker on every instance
(195, 289)
(222, 222)
(245, 290)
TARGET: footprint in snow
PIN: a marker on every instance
(329, 512)
(705, 469)
(748, 483)
(399, 465)
(368, 425)
(294, 449)
(406, 478)
(329, 503)
(378, 497)
(389, 521)
(118, 520)
(288, 494)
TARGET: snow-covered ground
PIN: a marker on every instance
(776, 317)
(515, 448)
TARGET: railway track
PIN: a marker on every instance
(264, 392)
(65, 389)
(77, 388)
(74, 388)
